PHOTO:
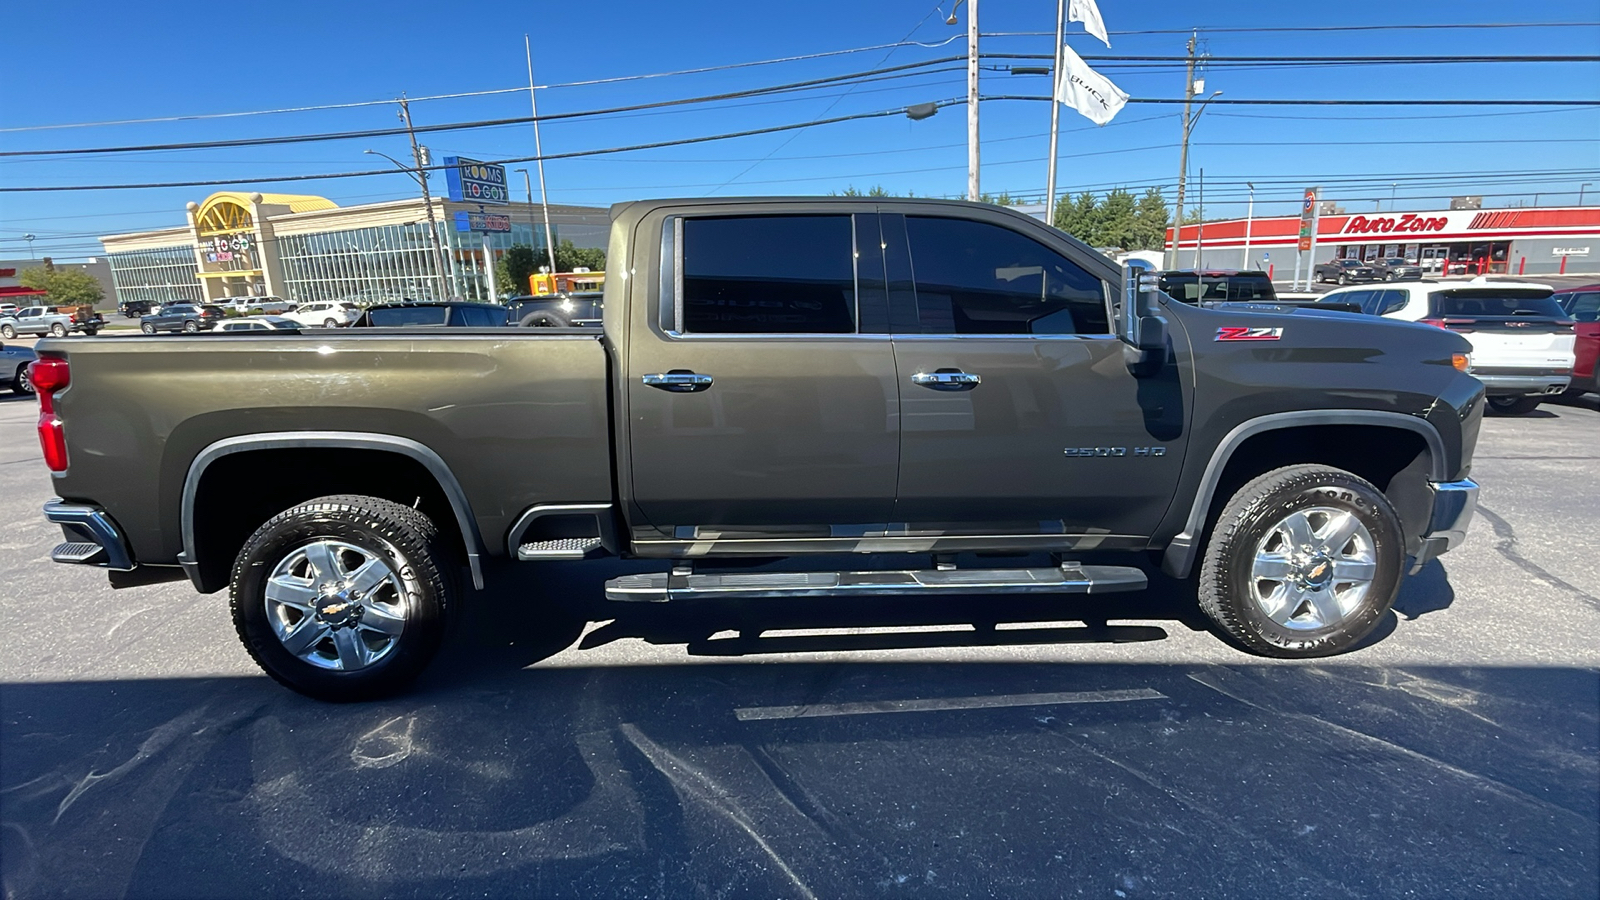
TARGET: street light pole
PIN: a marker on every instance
(1249, 223)
(1581, 188)
(1055, 115)
(427, 201)
(538, 151)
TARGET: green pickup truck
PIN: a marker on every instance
(791, 378)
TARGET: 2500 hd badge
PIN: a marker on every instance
(1115, 451)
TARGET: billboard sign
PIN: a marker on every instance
(486, 222)
(1308, 219)
(470, 181)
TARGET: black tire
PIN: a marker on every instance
(191, 326)
(58, 330)
(91, 332)
(147, 328)
(1514, 405)
(330, 323)
(545, 318)
(8, 332)
(421, 556)
(20, 382)
(1344, 279)
(1227, 581)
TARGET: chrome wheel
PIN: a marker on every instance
(1313, 568)
(337, 606)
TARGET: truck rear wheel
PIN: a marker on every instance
(344, 598)
(1303, 562)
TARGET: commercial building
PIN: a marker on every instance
(11, 290)
(305, 248)
(1541, 241)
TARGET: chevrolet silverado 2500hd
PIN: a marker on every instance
(784, 378)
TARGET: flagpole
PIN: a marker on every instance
(1055, 114)
(972, 100)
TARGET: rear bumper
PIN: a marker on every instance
(1524, 384)
(93, 538)
(1454, 502)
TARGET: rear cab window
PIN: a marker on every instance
(1246, 287)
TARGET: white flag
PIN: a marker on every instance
(1086, 12)
(1086, 90)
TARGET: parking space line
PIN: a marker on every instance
(872, 707)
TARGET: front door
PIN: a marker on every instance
(762, 401)
(1019, 413)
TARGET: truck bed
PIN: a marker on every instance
(519, 415)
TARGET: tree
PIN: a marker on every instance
(517, 264)
(1195, 215)
(1114, 221)
(1150, 222)
(64, 287)
(1077, 217)
(570, 258)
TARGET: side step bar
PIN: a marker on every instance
(1068, 578)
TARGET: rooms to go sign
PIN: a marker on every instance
(470, 181)
(1409, 223)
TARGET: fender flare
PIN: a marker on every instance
(1178, 558)
(353, 440)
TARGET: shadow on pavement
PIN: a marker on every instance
(814, 780)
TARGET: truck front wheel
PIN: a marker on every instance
(344, 598)
(1303, 562)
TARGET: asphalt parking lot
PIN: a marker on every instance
(1102, 748)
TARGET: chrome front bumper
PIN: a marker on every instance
(93, 539)
(1453, 505)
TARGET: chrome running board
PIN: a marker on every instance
(1068, 578)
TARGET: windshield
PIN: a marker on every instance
(1191, 288)
(1348, 263)
(404, 316)
(1395, 262)
(1496, 304)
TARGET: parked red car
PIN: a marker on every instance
(1583, 305)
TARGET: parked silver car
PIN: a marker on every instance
(14, 362)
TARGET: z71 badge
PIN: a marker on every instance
(1241, 333)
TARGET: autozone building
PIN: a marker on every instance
(1542, 241)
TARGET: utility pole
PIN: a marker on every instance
(972, 99)
(538, 151)
(1183, 154)
(1200, 230)
(427, 200)
(1055, 114)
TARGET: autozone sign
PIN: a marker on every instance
(1407, 223)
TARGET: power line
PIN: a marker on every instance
(484, 93)
(481, 123)
(1269, 29)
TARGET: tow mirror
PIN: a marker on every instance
(1139, 324)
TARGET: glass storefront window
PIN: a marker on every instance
(158, 276)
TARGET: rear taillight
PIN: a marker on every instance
(50, 375)
(1451, 324)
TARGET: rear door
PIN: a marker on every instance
(1022, 424)
(763, 411)
(1584, 308)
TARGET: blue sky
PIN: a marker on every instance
(96, 62)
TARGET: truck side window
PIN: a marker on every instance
(976, 278)
(769, 274)
(1586, 307)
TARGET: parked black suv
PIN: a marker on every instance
(133, 309)
(1346, 271)
(557, 310)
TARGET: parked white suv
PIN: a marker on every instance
(1522, 342)
(256, 306)
(327, 314)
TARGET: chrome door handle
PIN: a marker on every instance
(679, 381)
(947, 380)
